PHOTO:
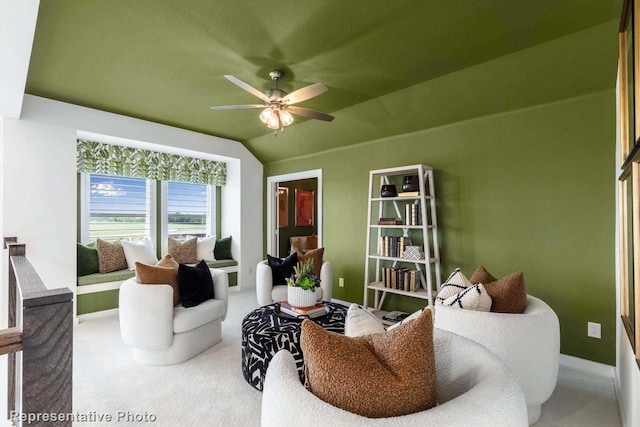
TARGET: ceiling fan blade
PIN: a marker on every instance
(307, 112)
(252, 90)
(236, 107)
(305, 93)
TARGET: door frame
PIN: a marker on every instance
(272, 205)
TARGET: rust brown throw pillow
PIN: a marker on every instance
(316, 255)
(110, 256)
(378, 375)
(184, 252)
(481, 275)
(509, 294)
(165, 272)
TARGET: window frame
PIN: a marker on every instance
(164, 213)
(629, 149)
(85, 212)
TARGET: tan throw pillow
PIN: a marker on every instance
(110, 256)
(184, 252)
(509, 294)
(378, 375)
(165, 272)
(316, 255)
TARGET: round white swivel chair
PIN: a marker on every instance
(474, 388)
(528, 343)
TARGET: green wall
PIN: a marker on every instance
(530, 190)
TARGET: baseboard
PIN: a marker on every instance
(587, 365)
(620, 402)
(97, 315)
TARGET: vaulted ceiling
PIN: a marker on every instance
(164, 60)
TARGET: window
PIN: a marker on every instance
(189, 208)
(118, 208)
(629, 178)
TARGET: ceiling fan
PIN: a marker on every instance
(277, 104)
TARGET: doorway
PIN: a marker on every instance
(300, 217)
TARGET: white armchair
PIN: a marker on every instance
(474, 388)
(528, 343)
(267, 293)
(161, 334)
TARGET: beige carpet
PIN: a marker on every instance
(209, 390)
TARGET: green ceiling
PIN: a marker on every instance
(164, 60)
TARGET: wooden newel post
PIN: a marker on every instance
(47, 354)
(45, 318)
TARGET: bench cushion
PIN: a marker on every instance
(114, 276)
(122, 275)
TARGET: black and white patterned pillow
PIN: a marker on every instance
(456, 283)
(475, 297)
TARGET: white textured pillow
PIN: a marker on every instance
(474, 297)
(205, 246)
(141, 251)
(452, 286)
(361, 322)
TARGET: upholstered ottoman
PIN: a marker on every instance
(265, 331)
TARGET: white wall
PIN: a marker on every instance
(38, 177)
(17, 28)
(39, 196)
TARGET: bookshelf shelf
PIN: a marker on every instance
(386, 270)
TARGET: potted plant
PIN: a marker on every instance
(303, 285)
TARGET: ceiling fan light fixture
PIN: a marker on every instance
(274, 121)
(277, 105)
(267, 115)
(286, 118)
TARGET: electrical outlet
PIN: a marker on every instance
(341, 282)
(594, 330)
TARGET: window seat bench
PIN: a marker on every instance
(99, 292)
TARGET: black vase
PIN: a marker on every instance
(410, 183)
(388, 190)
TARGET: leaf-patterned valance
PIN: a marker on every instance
(107, 159)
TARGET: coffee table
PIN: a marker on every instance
(265, 331)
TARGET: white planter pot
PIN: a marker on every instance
(299, 297)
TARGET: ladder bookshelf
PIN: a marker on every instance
(392, 225)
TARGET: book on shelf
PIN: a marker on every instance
(317, 310)
(393, 246)
(412, 214)
(402, 279)
(395, 316)
(390, 221)
(408, 194)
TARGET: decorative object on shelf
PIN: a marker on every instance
(388, 190)
(410, 183)
(395, 316)
(302, 285)
(304, 208)
(277, 104)
(413, 252)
